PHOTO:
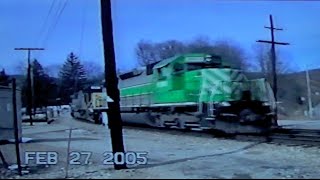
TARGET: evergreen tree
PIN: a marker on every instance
(45, 89)
(4, 78)
(72, 77)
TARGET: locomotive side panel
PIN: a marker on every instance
(136, 90)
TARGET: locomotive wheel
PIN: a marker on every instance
(180, 123)
(159, 122)
(150, 119)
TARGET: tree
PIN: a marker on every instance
(44, 86)
(148, 52)
(263, 61)
(93, 69)
(169, 49)
(21, 67)
(200, 44)
(73, 77)
(231, 53)
(4, 78)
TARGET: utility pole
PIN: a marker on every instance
(111, 83)
(15, 123)
(273, 60)
(309, 93)
(30, 81)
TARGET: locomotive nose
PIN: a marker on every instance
(246, 95)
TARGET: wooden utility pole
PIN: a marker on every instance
(30, 81)
(15, 122)
(273, 60)
(111, 82)
(309, 94)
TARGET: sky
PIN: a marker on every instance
(78, 28)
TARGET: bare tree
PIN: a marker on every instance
(93, 69)
(169, 49)
(148, 52)
(200, 44)
(145, 52)
(263, 60)
(231, 53)
(21, 67)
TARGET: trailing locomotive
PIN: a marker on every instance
(90, 104)
(196, 91)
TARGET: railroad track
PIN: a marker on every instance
(304, 137)
(290, 137)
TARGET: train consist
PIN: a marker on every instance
(195, 91)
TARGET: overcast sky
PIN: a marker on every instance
(79, 27)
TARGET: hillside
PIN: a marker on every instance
(291, 86)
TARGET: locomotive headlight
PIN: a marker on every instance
(266, 104)
(208, 59)
(225, 104)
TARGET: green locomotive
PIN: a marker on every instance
(196, 90)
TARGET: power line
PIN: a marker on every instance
(42, 29)
(53, 26)
(59, 10)
(43, 35)
(83, 21)
(54, 16)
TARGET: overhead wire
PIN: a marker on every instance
(55, 22)
(51, 26)
(42, 29)
(83, 21)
